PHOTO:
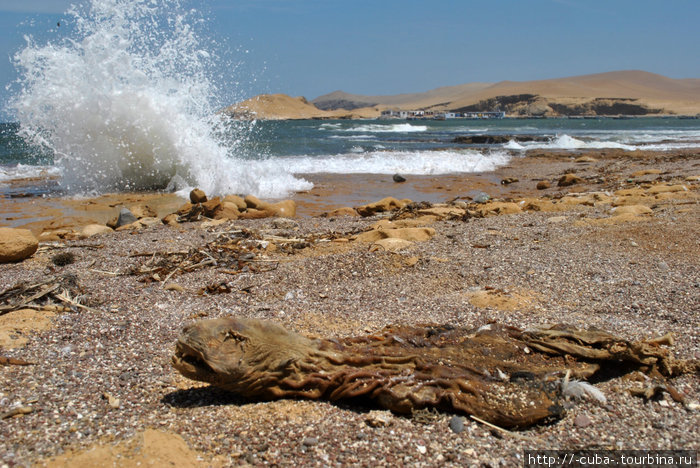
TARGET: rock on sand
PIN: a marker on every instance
(16, 244)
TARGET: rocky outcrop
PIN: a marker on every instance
(385, 204)
(16, 245)
(230, 207)
(498, 139)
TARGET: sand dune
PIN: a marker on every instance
(281, 107)
(620, 92)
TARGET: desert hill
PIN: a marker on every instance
(614, 93)
(281, 107)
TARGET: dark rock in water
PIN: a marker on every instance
(399, 178)
(509, 180)
(125, 217)
(543, 185)
(197, 196)
(457, 424)
(497, 139)
(481, 197)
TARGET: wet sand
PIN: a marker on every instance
(333, 191)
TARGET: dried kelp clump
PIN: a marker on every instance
(504, 375)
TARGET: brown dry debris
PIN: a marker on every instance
(60, 289)
(506, 376)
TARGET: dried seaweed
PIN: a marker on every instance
(233, 251)
(54, 290)
(503, 375)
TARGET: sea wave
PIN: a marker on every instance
(387, 128)
(567, 142)
(391, 162)
(24, 171)
(123, 104)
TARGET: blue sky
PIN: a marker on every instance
(312, 47)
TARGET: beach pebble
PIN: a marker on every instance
(399, 178)
(125, 217)
(381, 206)
(569, 179)
(481, 197)
(543, 185)
(16, 244)
(198, 196)
(94, 230)
(582, 421)
(310, 441)
(143, 211)
(378, 418)
(457, 424)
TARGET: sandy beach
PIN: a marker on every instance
(609, 240)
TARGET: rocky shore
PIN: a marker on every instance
(603, 239)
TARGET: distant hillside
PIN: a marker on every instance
(343, 100)
(281, 107)
(613, 93)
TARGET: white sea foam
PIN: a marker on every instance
(513, 145)
(384, 128)
(125, 103)
(23, 171)
(329, 126)
(569, 142)
(391, 162)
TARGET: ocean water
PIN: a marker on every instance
(276, 158)
(127, 100)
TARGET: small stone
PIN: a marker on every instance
(481, 197)
(171, 219)
(113, 402)
(582, 421)
(173, 287)
(457, 424)
(198, 196)
(94, 230)
(398, 178)
(378, 419)
(543, 185)
(310, 441)
(509, 180)
(421, 449)
(569, 179)
(143, 211)
(124, 218)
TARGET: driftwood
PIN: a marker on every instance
(501, 374)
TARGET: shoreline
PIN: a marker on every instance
(616, 250)
(334, 191)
